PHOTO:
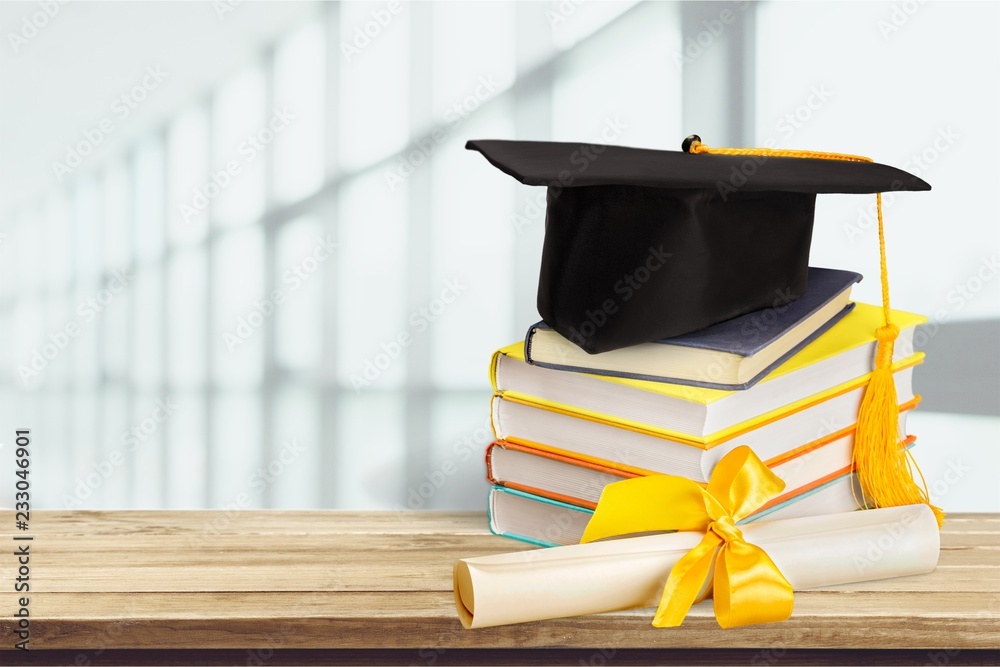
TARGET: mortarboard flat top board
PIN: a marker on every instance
(553, 163)
(642, 245)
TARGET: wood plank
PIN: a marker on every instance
(151, 546)
(980, 539)
(164, 580)
(372, 620)
(168, 580)
(172, 580)
(249, 522)
(322, 563)
(968, 523)
(319, 563)
(316, 522)
(944, 578)
(419, 604)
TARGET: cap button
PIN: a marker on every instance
(686, 144)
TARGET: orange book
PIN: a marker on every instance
(579, 482)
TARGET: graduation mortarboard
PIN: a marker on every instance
(642, 245)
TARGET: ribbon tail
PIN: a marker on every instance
(706, 593)
(685, 583)
(749, 588)
(630, 506)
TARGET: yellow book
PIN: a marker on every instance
(837, 363)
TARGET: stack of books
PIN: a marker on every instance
(786, 380)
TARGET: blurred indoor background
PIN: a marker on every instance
(220, 220)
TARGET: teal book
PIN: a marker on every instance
(548, 523)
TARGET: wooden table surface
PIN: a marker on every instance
(327, 586)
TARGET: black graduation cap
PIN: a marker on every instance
(642, 245)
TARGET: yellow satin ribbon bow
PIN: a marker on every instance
(748, 587)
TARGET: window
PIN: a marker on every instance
(188, 178)
(374, 88)
(299, 79)
(148, 200)
(235, 188)
(303, 255)
(372, 282)
(186, 319)
(236, 346)
(289, 290)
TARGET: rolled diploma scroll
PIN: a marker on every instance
(630, 572)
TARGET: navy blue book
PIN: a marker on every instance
(731, 355)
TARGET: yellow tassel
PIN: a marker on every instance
(885, 467)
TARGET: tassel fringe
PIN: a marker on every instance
(885, 467)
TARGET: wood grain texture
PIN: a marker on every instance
(139, 580)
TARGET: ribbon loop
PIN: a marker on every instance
(746, 584)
